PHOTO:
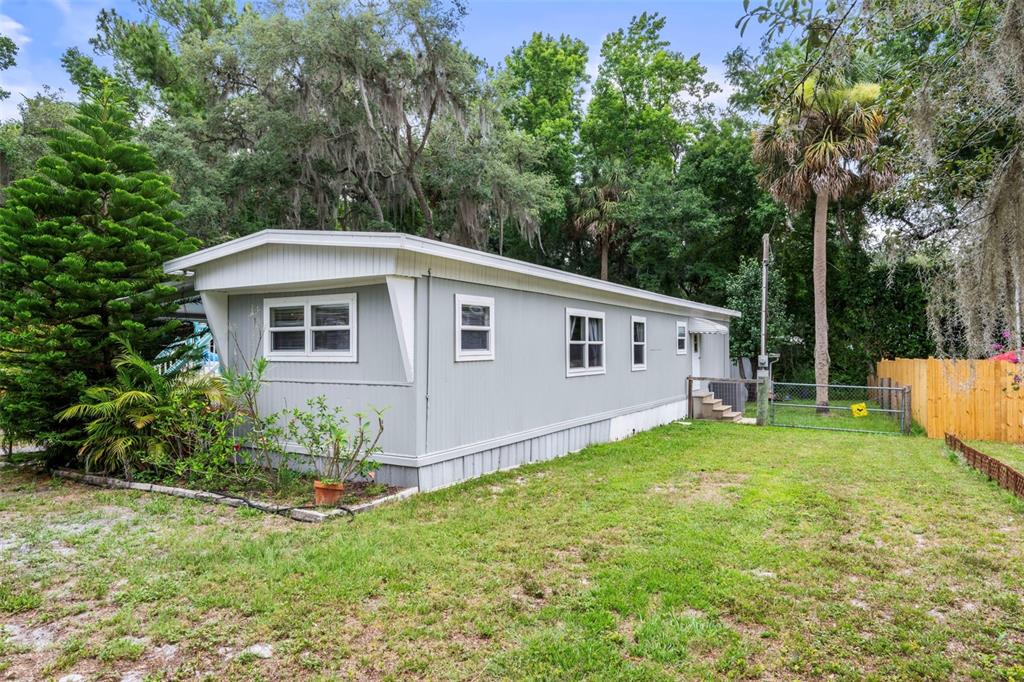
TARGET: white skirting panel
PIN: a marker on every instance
(628, 424)
(512, 455)
(539, 449)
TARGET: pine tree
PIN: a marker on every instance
(82, 242)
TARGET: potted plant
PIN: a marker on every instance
(340, 450)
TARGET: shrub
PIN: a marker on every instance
(135, 421)
(338, 452)
(209, 430)
(228, 444)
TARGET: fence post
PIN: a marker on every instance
(689, 397)
(907, 414)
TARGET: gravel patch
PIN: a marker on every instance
(36, 639)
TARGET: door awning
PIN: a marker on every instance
(698, 325)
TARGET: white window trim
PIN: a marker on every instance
(585, 371)
(308, 354)
(686, 337)
(473, 355)
(633, 343)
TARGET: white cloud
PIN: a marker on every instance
(717, 74)
(78, 22)
(21, 89)
(14, 30)
(9, 108)
(593, 70)
(63, 5)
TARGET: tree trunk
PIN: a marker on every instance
(5, 170)
(821, 359)
(371, 196)
(421, 198)
(605, 246)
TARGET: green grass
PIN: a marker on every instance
(705, 551)
(1010, 454)
(14, 600)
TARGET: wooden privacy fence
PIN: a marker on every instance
(971, 398)
(1006, 477)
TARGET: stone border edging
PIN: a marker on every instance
(306, 515)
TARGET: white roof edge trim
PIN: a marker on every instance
(429, 247)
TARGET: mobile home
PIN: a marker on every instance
(482, 362)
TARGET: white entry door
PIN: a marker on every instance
(695, 362)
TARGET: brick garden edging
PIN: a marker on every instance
(306, 515)
(1007, 477)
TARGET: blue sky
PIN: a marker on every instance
(43, 29)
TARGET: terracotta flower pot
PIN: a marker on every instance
(327, 494)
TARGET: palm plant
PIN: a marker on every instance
(822, 144)
(128, 420)
(597, 206)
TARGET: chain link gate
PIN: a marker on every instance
(865, 409)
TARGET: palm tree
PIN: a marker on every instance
(128, 420)
(597, 206)
(822, 144)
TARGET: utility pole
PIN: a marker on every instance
(763, 366)
(762, 358)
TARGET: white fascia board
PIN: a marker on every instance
(427, 247)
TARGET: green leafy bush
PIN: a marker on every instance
(209, 431)
(229, 444)
(137, 420)
(340, 449)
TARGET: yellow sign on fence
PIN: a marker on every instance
(859, 409)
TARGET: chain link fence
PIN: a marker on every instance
(868, 409)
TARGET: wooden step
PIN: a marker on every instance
(732, 415)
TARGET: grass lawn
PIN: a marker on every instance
(839, 416)
(700, 551)
(1010, 454)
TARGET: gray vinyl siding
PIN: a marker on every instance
(377, 379)
(457, 404)
(715, 355)
(525, 386)
(287, 265)
(449, 421)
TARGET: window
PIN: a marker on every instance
(311, 328)
(474, 328)
(584, 342)
(681, 337)
(639, 342)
